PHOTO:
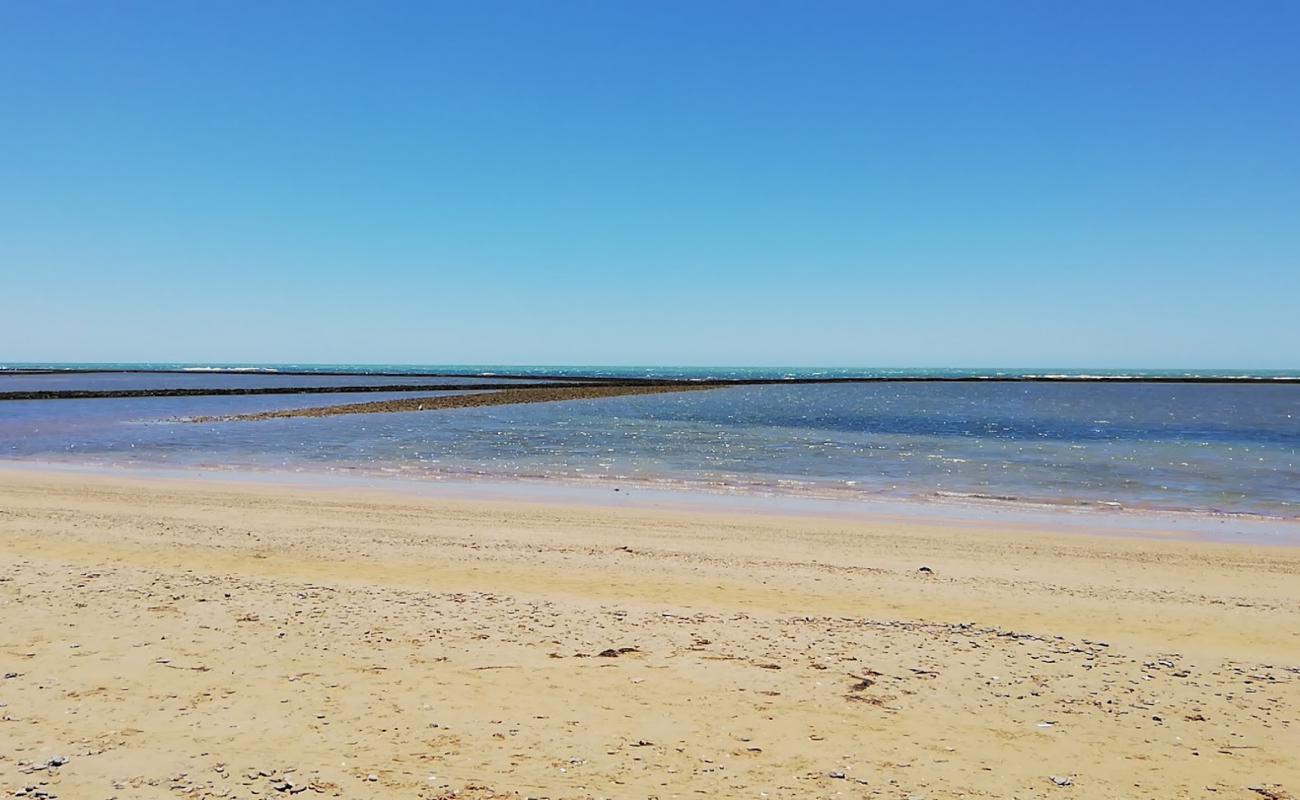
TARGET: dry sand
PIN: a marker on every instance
(178, 639)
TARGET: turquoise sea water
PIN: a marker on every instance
(688, 373)
(1202, 447)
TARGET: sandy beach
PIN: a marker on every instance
(171, 638)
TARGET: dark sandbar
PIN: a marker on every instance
(512, 396)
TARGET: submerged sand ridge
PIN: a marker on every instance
(512, 396)
(166, 639)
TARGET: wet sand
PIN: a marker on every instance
(171, 638)
(503, 397)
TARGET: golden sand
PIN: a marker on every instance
(176, 639)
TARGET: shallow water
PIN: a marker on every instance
(683, 373)
(109, 381)
(1233, 448)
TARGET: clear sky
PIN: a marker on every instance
(867, 184)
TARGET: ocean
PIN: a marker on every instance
(1207, 447)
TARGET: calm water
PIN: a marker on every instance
(101, 381)
(1186, 446)
(697, 373)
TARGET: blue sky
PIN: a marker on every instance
(910, 183)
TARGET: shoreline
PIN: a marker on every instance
(957, 510)
(237, 641)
